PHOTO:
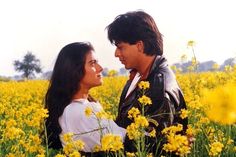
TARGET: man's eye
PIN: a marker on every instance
(120, 48)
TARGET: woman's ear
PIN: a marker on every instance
(140, 46)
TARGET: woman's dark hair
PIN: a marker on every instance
(134, 26)
(67, 73)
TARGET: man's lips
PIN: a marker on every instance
(122, 61)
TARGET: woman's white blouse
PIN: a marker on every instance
(75, 121)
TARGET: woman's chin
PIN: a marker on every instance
(99, 84)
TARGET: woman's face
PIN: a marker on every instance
(93, 75)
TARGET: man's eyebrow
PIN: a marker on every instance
(117, 43)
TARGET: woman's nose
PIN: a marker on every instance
(100, 68)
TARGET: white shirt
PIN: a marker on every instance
(74, 120)
(133, 83)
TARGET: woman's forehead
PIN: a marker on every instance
(91, 55)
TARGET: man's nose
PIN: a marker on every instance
(117, 52)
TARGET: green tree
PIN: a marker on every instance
(28, 66)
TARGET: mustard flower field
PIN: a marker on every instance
(211, 110)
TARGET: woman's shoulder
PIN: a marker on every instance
(81, 104)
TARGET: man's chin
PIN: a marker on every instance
(127, 67)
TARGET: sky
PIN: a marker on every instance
(43, 27)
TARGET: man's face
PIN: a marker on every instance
(128, 54)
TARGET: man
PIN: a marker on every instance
(140, 48)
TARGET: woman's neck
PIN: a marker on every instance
(81, 94)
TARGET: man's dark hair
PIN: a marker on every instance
(135, 26)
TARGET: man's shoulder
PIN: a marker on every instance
(157, 85)
(161, 77)
(164, 81)
(164, 76)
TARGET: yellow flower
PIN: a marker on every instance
(133, 131)
(133, 112)
(190, 131)
(10, 155)
(215, 66)
(221, 101)
(230, 141)
(102, 114)
(215, 148)
(144, 85)
(204, 120)
(68, 148)
(97, 148)
(172, 129)
(150, 155)
(75, 154)
(40, 155)
(35, 139)
(141, 121)
(11, 123)
(13, 133)
(228, 68)
(111, 142)
(152, 133)
(88, 111)
(184, 113)
(177, 144)
(191, 43)
(144, 100)
(60, 155)
(68, 137)
(128, 154)
(234, 148)
(79, 144)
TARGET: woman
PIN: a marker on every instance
(76, 71)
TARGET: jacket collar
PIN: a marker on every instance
(158, 63)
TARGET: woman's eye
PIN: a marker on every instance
(93, 63)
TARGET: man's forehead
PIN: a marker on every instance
(118, 43)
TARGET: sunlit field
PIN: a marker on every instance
(211, 102)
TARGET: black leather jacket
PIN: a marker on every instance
(165, 94)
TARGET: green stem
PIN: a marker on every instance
(46, 138)
(160, 115)
(195, 58)
(100, 128)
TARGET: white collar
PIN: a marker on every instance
(82, 100)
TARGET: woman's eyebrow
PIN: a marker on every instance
(93, 61)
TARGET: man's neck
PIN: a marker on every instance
(145, 64)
